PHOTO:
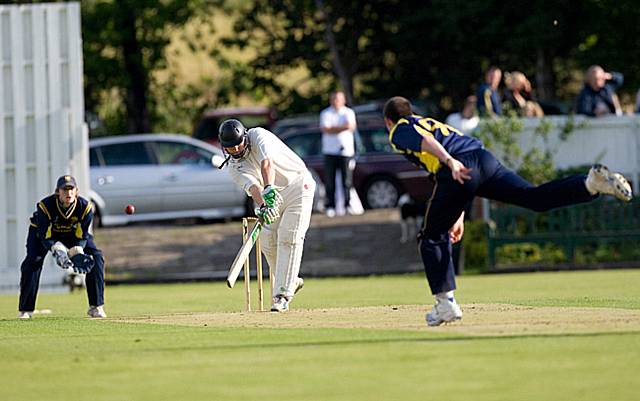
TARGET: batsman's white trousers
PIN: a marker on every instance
(282, 242)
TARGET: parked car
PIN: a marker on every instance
(206, 128)
(166, 176)
(380, 177)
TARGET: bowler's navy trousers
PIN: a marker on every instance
(32, 267)
(489, 179)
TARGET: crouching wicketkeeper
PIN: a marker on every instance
(60, 225)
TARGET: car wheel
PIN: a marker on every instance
(381, 192)
(249, 207)
(319, 194)
(97, 217)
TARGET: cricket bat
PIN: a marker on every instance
(243, 254)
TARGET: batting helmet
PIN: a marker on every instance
(231, 133)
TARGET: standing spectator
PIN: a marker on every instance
(519, 97)
(60, 225)
(638, 102)
(598, 97)
(488, 97)
(466, 120)
(279, 182)
(338, 124)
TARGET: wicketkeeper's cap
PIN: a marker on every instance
(66, 181)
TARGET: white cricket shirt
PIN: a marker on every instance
(288, 166)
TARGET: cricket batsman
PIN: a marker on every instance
(280, 184)
(462, 169)
(60, 225)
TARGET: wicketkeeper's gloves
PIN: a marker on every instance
(271, 197)
(81, 263)
(59, 252)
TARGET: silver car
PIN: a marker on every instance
(165, 176)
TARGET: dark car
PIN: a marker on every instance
(380, 177)
(206, 128)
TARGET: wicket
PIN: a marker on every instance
(247, 269)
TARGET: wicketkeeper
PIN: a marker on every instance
(60, 225)
(280, 184)
(463, 169)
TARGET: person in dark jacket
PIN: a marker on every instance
(60, 225)
(598, 95)
(461, 168)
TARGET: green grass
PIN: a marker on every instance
(64, 356)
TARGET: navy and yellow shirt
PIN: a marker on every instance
(406, 138)
(71, 227)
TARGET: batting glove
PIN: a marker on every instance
(268, 215)
(271, 197)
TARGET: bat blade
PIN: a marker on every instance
(243, 254)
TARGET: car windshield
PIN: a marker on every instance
(374, 140)
(181, 153)
(122, 154)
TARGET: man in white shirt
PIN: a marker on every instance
(338, 124)
(467, 120)
(279, 182)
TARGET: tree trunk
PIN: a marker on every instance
(338, 66)
(545, 87)
(137, 88)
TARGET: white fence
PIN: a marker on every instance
(614, 141)
(42, 132)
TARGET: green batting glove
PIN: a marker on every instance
(271, 197)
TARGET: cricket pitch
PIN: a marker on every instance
(478, 319)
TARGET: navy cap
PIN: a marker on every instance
(66, 181)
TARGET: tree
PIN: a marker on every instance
(123, 44)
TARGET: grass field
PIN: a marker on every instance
(543, 336)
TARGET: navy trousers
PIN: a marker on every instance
(491, 180)
(31, 269)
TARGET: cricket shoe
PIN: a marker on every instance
(299, 285)
(444, 311)
(280, 304)
(601, 181)
(24, 315)
(96, 312)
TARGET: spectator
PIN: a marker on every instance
(338, 123)
(598, 97)
(488, 96)
(638, 102)
(518, 95)
(466, 120)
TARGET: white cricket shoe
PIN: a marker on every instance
(330, 212)
(280, 304)
(601, 181)
(24, 315)
(96, 312)
(299, 285)
(444, 311)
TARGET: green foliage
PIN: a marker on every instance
(474, 243)
(435, 51)
(501, 135)
(530, 254)
(124, 43)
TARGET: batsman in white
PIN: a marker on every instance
(280, 184)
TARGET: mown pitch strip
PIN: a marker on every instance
(478, 319)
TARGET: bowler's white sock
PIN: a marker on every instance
(445, 295)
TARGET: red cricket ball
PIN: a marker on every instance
(130, 209)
